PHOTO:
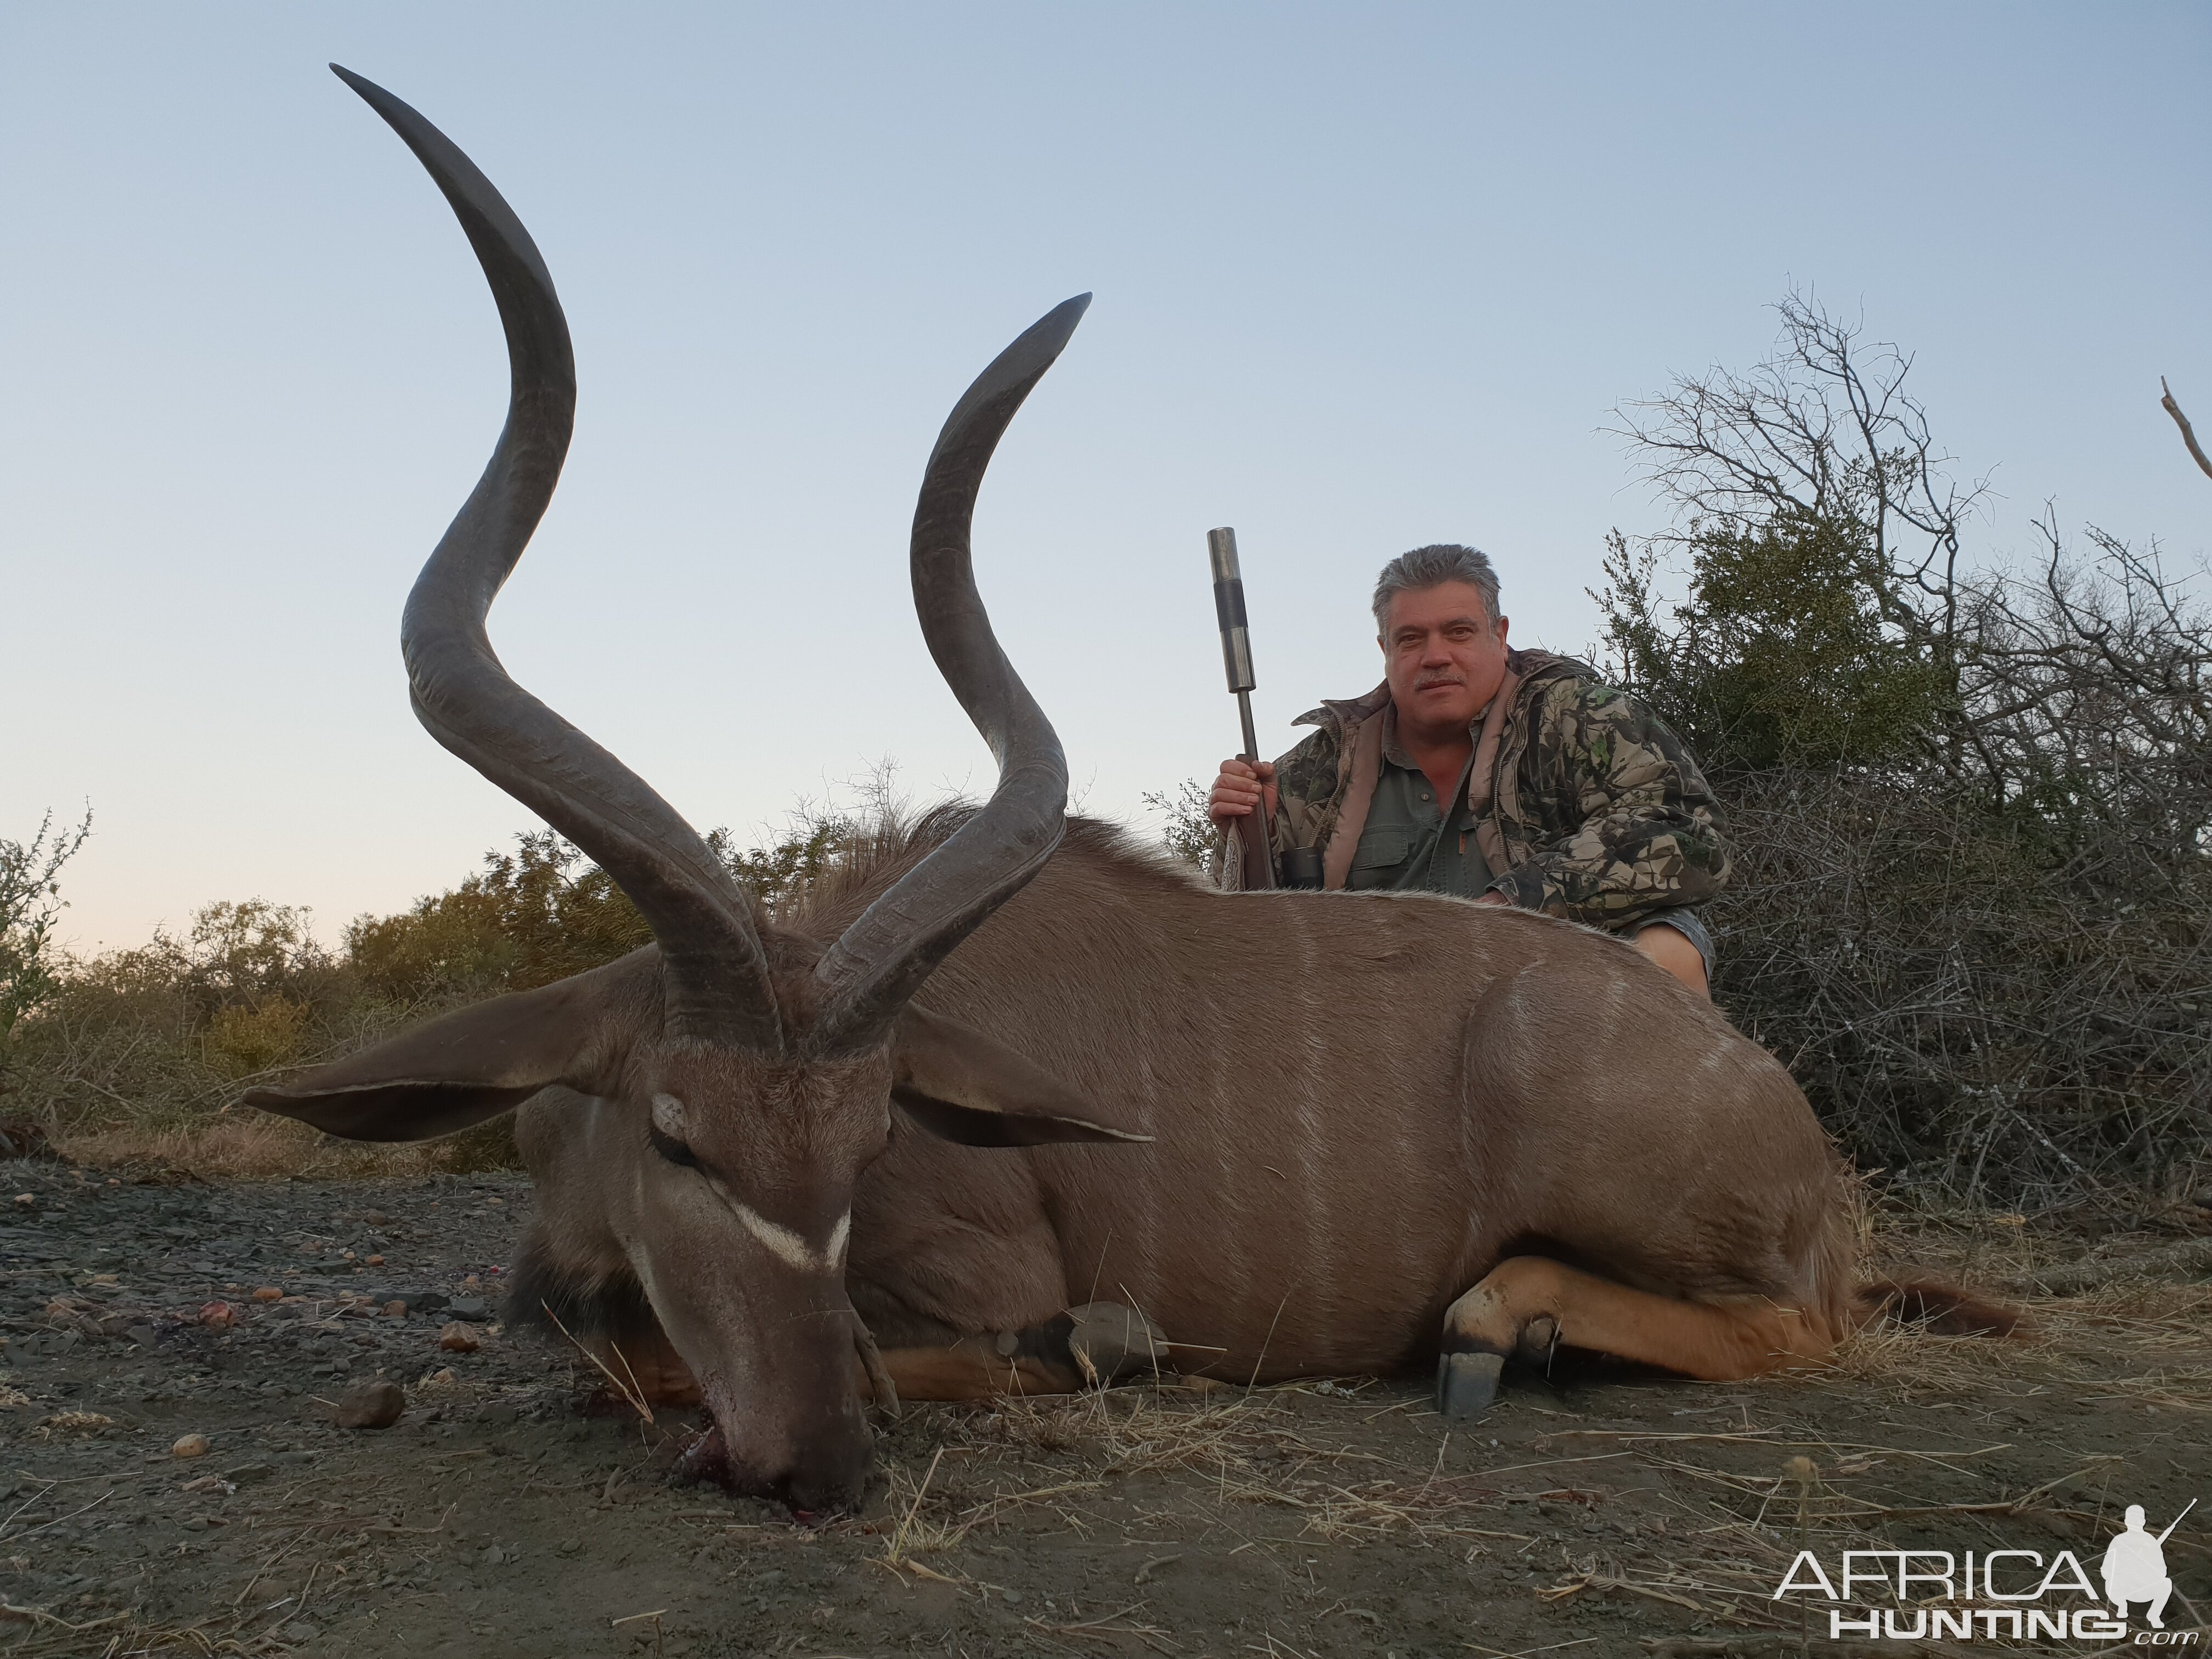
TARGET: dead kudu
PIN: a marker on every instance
(1374, 1120)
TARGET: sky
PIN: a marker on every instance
(1367, 276)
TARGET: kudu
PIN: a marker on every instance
(1378, 1118)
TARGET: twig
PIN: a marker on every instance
(1264, 1340)
(2182, 421)
(630, 1392)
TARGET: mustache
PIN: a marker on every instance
(1428, 680)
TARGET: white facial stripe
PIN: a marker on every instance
(786, 1246)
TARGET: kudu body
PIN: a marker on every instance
(1378, 1117)
(1360, 1106)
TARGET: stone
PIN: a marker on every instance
(218, 1315)
(190, 1445)
(468, 1307)
(395, 1309)
(373, 1404)
(267, 1293)
(457, 1338)
(246, 1474)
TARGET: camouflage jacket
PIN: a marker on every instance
(1591, 809)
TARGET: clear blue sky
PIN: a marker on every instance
(1367, 276)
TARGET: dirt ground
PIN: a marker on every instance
(1597, 1515)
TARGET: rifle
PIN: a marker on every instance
(2178, 1520)
(1253, 830)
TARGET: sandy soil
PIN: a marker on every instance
(1594, 1515)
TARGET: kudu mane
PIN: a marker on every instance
(895, 841)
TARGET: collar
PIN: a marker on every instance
(1393, 752)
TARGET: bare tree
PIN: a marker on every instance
(1983, 954)
(1822, 429)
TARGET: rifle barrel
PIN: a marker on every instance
(2177, 1520)
(1229, 609)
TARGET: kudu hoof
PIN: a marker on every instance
(1111, 1340)
(1467, 1383)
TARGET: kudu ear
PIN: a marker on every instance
(449, 1074)
(964, 1087)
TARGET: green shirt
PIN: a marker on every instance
(1410, 843)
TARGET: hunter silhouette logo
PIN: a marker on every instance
(2134, 1566)
(1999, 1595)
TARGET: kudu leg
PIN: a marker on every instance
(646, 1363)
(1093, 1346)
(1528, 1305)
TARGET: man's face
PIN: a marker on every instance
(1444, 657)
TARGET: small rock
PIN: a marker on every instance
(142, 1334)
(376, 1261)
(267, 1293)
(501, 1413)
(302, 1632)
(26, 1201)
(207, 1483)
(468, 1307)
(190, 1445)
(457, 1338)
(246, 1474)
(218, 1315)
(395, 1309)
(375, 1405)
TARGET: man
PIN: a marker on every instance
(2135, 1569)
(1502, 776)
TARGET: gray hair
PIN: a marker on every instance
(1428, 566)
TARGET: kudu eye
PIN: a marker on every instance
(667, 1131)
(671, 1148)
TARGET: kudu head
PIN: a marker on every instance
(739, 1077)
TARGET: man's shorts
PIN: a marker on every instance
(1683, 920)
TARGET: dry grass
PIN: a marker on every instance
(246, 1145)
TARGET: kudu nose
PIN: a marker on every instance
(826, 1475)
(831, 1475)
